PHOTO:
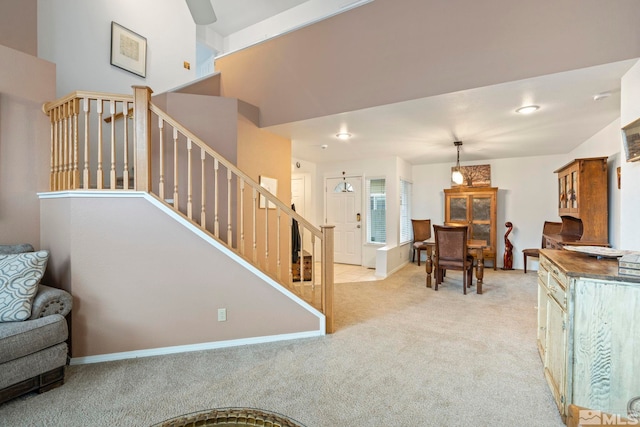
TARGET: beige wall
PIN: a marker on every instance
(212, 119)
(141, 280)
(19, 25)
(395, 50)
(261, 153)
(25, 84)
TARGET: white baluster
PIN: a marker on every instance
(216, 195)
(112, 169)
(229, 231)
(203, 189)
(99, 172)
(161, 158)
(125, 148)
(189, 181)
(86, 180)
(242, 249)
(175, 168)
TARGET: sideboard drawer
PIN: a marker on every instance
(558, 291)
(543, 271)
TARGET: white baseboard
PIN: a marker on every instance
(188, 348)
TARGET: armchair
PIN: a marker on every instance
(34, 352)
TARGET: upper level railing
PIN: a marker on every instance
(121, 142)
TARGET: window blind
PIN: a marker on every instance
(376, 211)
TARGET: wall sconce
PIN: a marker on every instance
(456, 176)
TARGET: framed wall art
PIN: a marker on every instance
(128, 50)
(474, 176)
(271, 185)
(631, 141)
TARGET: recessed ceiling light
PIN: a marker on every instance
(343, 135)
(527, 109)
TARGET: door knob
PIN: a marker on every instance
(358, 225)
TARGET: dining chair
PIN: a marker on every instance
(549, 227)
(421, 232)
(452, 254)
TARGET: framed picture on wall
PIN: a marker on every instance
(128, 50)
(271, 185)
(631, 140)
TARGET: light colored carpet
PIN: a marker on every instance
(403, 355)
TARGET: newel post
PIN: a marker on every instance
(327, 275)
(142, 137)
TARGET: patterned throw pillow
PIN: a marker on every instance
(19, 278)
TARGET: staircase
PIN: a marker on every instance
(125, 143)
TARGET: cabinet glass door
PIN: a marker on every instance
(481, 209)
(573, 198)
(481, 219)
(458, 209)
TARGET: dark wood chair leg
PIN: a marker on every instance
(414, 252)
(525, 263)
(464, 282)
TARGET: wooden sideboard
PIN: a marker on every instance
(477, 208)
(588, 331)
(582, 204)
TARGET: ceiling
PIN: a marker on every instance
(422, 131)
(235, 15)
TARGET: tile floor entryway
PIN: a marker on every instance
(345, 273)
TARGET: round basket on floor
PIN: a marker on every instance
(223, 417)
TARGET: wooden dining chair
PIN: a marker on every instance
(549, 227)
(421, 232)
(452, 254)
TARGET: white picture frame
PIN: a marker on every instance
(271, 185)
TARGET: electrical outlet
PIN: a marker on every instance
(222, 314)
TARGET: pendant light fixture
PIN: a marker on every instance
(456, 175)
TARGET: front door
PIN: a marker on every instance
(343, 204)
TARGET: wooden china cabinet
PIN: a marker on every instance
(477, 208)
(582, 204)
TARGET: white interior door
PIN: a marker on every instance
(300, 198)
(343, 208)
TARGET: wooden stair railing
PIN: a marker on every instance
(156, 154)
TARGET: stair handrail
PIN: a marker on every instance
(230, 166)
(47, 107)
(65, 116)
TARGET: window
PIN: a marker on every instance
(405, 212)
(377, 211)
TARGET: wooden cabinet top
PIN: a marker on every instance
(575, 264)
(578, 161)
(462, 189)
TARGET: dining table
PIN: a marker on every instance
(473, 245)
